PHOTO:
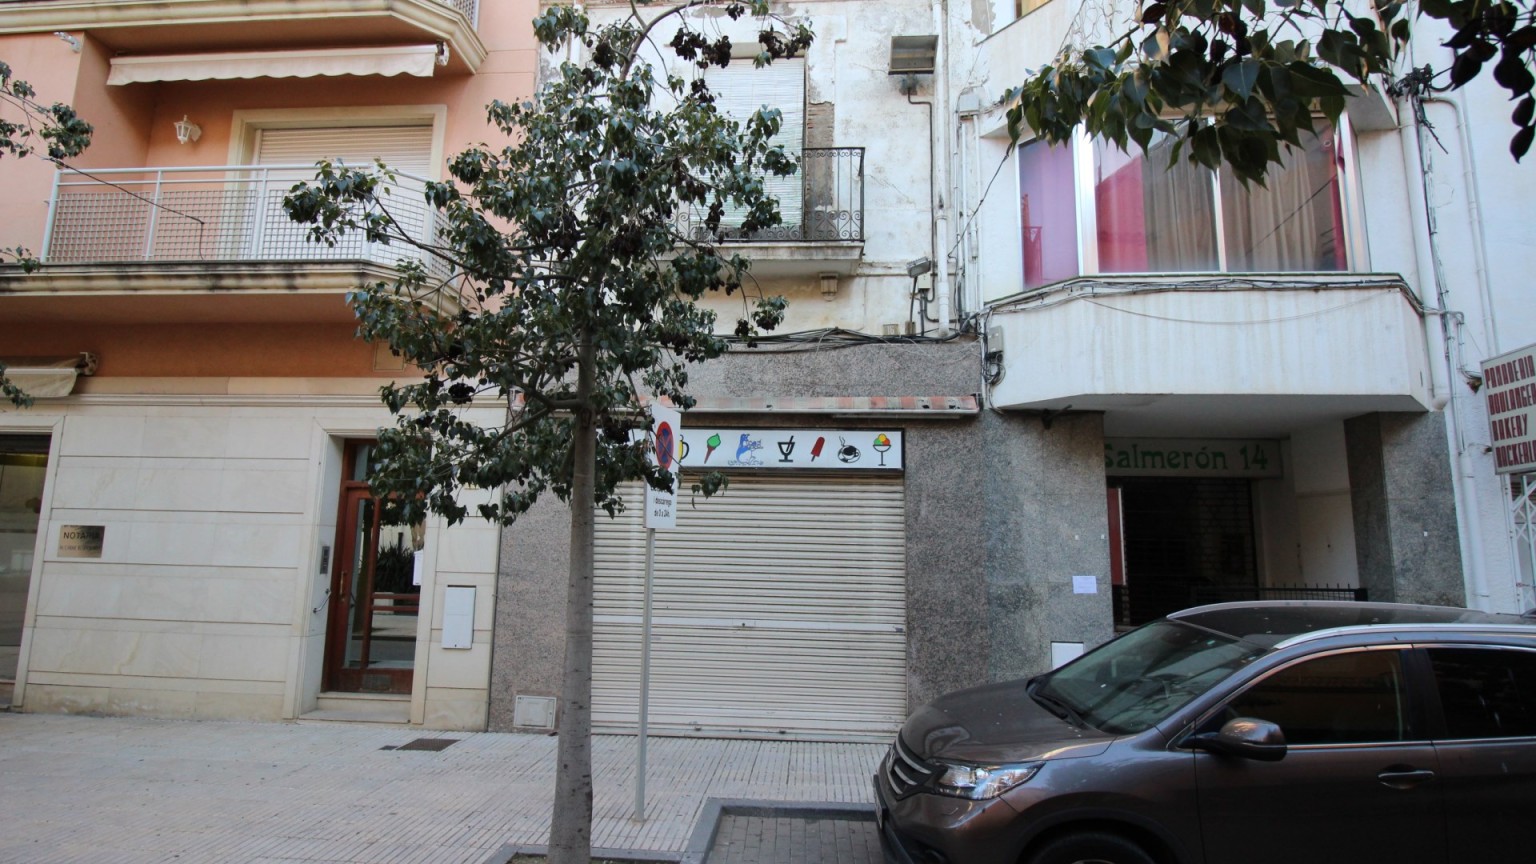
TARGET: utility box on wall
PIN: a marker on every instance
(458, 616)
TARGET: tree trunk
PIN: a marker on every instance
(570, 831)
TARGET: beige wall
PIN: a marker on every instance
(203, 600)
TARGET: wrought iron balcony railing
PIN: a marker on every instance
(821, 203)
(228, 213)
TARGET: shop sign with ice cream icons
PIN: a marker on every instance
(840, 449)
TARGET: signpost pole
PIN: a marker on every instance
(660, 512)
(645, 672)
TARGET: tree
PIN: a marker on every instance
(574, 298)
(1233, 80)
(62, 134)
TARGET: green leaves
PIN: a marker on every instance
(1219, 75)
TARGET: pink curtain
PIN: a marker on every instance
(1048, 213)
(1152, 216)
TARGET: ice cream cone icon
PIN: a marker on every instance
(710, 445)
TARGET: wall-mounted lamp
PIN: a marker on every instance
(828, 285)
(187, 131)
(913, 55)
(919, 267)
(69, 39)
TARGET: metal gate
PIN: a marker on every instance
(1522, 517)
(779, 612)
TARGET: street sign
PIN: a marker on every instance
(1509, 385)
(666, 453)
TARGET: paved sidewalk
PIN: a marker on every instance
(123, 790)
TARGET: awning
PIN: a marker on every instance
(49, 377)
(417, 60)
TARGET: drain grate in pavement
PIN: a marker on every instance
(433, 745)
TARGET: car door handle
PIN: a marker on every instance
(1405, 777)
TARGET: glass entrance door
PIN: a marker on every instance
(375, 600)
(23, 464)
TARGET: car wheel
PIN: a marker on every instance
(1091, 848)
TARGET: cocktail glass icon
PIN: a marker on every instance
(786, 448)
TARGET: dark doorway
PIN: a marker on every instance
(1185, 542)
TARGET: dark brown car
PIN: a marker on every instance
(1244, 733)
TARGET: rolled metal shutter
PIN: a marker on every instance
(406, 149)
(779, 612)
(403, 148)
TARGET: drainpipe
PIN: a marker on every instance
(1443, 391)
(939, 140)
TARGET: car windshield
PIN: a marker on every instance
(1134, 682)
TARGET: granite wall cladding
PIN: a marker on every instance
(1404, 508)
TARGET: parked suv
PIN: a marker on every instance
(1242, 733)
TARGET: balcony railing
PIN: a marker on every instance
(226, 213)
(821, 203)
(470, 8)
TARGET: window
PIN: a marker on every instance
(1486, 693)
(1146, 215)
(1048, 213)
(1349, 698)
(740, 90)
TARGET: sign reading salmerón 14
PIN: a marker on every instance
(1509, 385)
(1190, 457)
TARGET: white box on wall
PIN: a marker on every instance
(458, 616)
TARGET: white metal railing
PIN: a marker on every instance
(470, 8)
(229, 212)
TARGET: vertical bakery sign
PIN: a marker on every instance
(842, 449)
(1509, 385)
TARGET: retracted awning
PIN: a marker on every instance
(49, 377)
(417, 60)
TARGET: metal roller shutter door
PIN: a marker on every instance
(779, 611)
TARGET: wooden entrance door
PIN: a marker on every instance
(375, 603)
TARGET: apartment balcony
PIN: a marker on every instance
(144, 243)
(822, 206)
(1172, 355)
(179, 27)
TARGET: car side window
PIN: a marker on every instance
(1349, 698)
(1486, 693)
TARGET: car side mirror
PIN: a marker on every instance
(1245, 738)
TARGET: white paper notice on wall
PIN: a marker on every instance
(1085, 584)
(458, 616)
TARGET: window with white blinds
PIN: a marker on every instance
(779, 611)
(406, 149)
(741, 89)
